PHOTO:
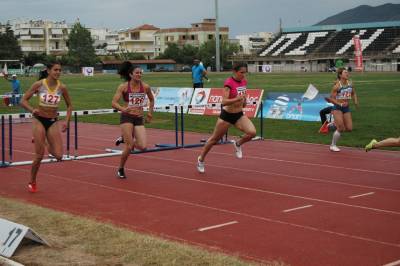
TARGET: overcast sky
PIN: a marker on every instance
(241, 16)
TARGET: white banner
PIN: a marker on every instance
(266, 68)
(88, 71)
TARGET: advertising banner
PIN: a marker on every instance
(164, 96)
(294, 106)
(358, 58)
(209, 96)
(88, 71)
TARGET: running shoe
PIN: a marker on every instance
(324, 128)
(121, 173)
(370, 145)
(200, 166)
(334, 148)
(238, 150)
(32, 187)
(119, 140)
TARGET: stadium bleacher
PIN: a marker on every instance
(379, 41)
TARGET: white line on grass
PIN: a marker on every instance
(362, 195)
(216, 226)
(298, 208)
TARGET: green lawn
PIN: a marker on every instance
(377, 117)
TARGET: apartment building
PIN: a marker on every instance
(254, 42)
(41, 36)
(138, 40)
(196, 35)
(105, 41)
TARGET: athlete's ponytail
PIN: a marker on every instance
(126, 69)
(44, 73)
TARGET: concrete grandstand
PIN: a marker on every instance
(316, 48)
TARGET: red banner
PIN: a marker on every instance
(214, 96)
(358, 59)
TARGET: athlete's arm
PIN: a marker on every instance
(227, 101)
(149, 94)
(68, 103)
(28, 95)
(117, 96)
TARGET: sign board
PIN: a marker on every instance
(88, 71)
(11, 235)
(164, 96)
(208, 97)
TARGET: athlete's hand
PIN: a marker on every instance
(149, 117)
(64, 128)
(35, 112)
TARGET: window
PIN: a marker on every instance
(210, 36)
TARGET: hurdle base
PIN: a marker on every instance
(165, 145)
(4, 164)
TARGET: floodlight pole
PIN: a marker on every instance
(217, 49)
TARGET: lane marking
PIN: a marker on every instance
(198, 205)
(361, 195)
(273, 173)
(394, 263)
(298, 208)
(216, 226)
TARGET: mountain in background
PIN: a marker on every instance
(364, 14)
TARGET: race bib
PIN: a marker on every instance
(345, 94)
(50, 99)
(241, 91)
(137, 99)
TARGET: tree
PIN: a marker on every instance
(80, 47)
(172, 52)
(207, 53)
(9, 47)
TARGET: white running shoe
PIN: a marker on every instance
(334, 148)
(238, 150)
(200, 166)
(119, 140)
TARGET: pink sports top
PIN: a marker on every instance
(237, 87)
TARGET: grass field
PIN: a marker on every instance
(377, 117)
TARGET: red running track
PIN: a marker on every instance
(295, 202)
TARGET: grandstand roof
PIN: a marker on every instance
(344, 26)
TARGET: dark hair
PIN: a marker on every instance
(238, 66)
(340, 71)
(125, 69)
(44, 73)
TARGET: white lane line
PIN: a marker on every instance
(361, 195)
(298, 208)
(394, 263)
(194, 204)
(216, 226)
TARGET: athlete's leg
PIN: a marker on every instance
(39, 136)
(54, 141)
(219, 131)
(140, 137)
(126, 132)
(348, 122)
(245, 125)
(338, 117)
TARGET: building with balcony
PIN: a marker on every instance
(139, 40)
(41, 36)
(105, 41)
(254, 42)
(196, 35)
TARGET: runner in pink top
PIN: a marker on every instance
(233, 102)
